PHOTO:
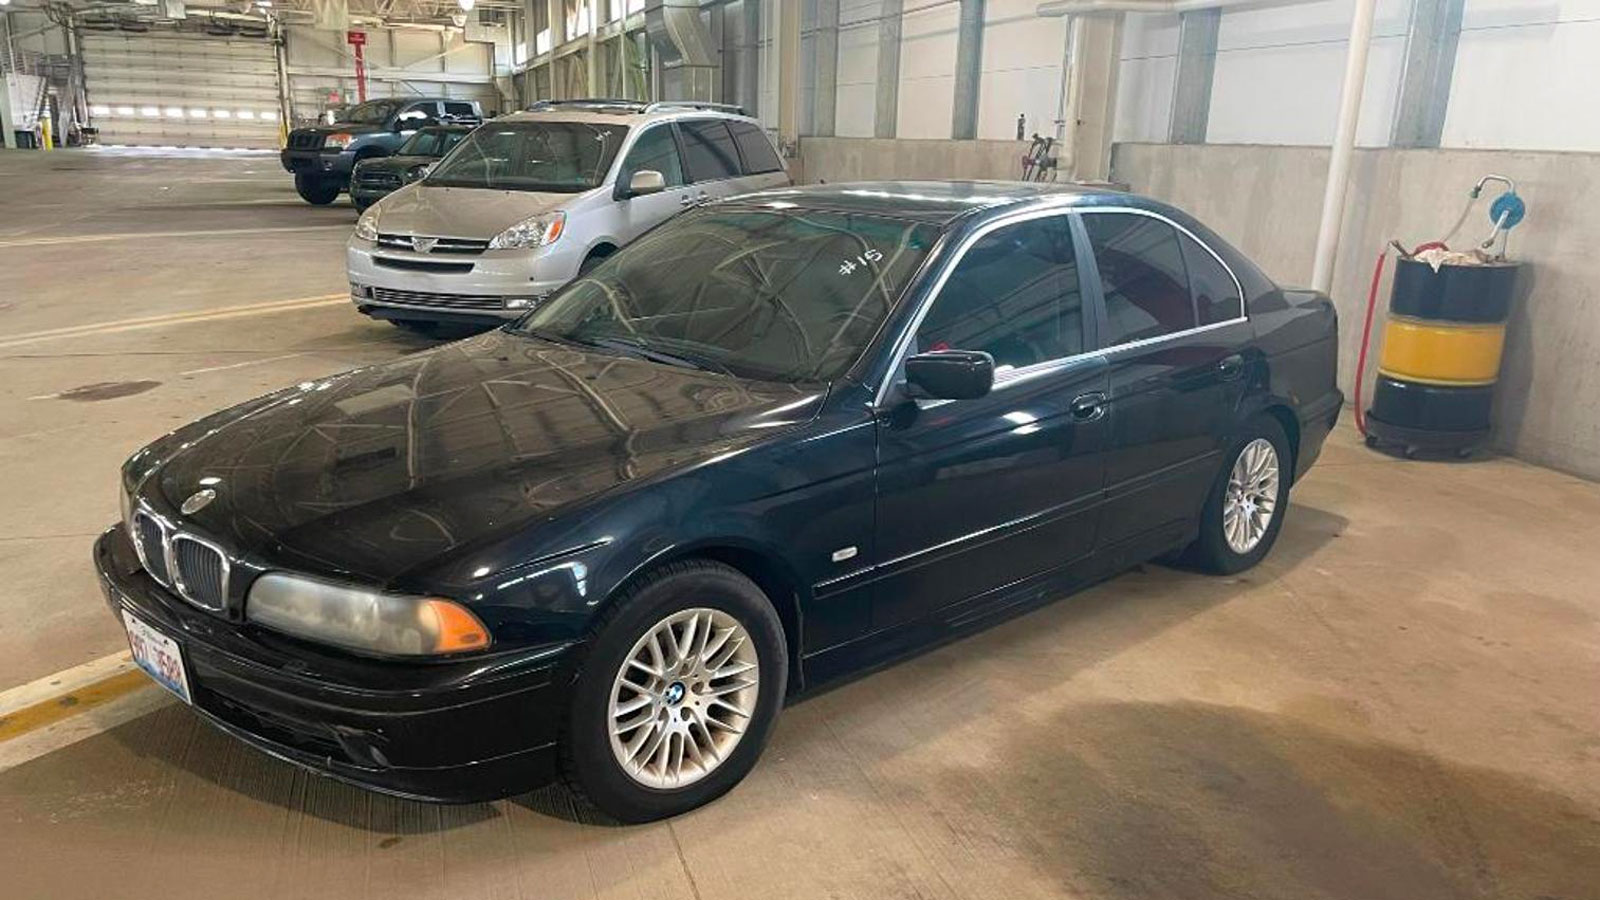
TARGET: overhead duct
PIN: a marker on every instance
(683, 43)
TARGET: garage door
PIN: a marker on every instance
(186, 90)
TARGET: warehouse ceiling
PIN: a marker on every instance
(132, 14)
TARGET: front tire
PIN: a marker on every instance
(677, 694)
(315, 189)
(1244, 511)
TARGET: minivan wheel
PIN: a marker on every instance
(1244, 511)
(315, 189)
(677, 693)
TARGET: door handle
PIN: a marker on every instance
(1231, 367)
(1088, 407)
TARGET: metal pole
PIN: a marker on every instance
(969, 70)
(1344, 145)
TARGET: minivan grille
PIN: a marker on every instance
(461, 246)
(201, 572)
(441, 301)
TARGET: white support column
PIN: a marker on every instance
(1094, 58)
(788, 39)
(1344, 145)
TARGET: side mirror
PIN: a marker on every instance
(646, 181)
(951, 374)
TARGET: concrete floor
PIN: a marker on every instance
(1401, 702)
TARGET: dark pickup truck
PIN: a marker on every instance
(322, 156)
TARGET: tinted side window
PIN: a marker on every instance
(1014, 294)
(655, 149)
(759, 157)
(1142, 271)
(459, 108)
(1216, 296)
(709, 150)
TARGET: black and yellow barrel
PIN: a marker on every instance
(1441, 356)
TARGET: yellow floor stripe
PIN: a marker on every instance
(211, 315)
(48, 712)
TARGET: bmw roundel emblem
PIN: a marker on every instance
(197, 501)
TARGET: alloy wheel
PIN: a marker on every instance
(1252, 497)
(683, 697)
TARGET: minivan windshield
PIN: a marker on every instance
(373, 112)
(772, 294)
(555, 157)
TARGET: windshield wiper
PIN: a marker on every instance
(645, 351)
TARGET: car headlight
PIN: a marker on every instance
(337, 141)
(367, 225)
(534, 231)
(361, 619)
(415, 172)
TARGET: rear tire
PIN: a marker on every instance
(1213, 551)
(729, 606)
(315, 189)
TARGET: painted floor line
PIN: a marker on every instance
(52, 687)
(241, 365)
(227, 312)
(142, 235)
(86, 724)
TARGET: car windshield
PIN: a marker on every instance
(431, 142)
(777, 295)
(373, 112)
(556, 157)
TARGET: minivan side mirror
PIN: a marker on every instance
(951, 374)
(646, 181)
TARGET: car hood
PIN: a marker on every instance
(344, 128)
(462, 212)
(376, 472)
(394, 163)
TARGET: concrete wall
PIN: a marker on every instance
(1267, 200)
(858, 159)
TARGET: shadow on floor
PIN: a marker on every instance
(1191, 800)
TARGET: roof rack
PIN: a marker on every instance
(695, 104)
(590, 103)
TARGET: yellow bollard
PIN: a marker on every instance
(44, 129)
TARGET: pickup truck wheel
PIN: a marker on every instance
(676, 694)
(315, 189)
(1244, 511)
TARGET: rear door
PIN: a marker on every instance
(710, 157)
(977, 495)
(759, 160)
(656, 148)
(1172, 326)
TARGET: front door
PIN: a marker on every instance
(976, 495)
(1173, 329)
(656, 149)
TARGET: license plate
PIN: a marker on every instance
(157, 655)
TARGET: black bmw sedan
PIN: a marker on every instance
(774, 441)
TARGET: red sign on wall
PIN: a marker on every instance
(355, 38)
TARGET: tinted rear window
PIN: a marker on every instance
(755, 149)
(709, 150)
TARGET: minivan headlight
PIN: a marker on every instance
(535, 231)
(361, 619)
(367, 225)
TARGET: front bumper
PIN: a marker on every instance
(494, 286)
(332, 165)
(445, 731)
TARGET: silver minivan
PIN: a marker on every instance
(529, 201)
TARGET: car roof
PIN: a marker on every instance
(621, 112)
(936, 202)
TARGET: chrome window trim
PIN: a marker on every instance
(1014, 376)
